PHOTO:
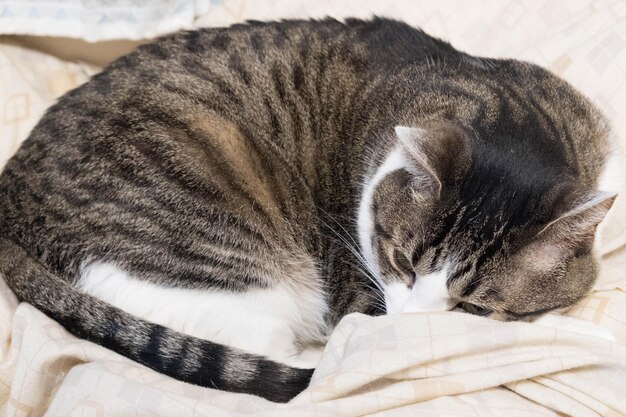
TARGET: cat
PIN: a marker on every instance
(213, 203)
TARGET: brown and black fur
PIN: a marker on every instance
(216, 158)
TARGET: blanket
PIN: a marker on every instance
(413, 364)
(443, 364)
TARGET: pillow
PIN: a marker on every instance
(30, 81)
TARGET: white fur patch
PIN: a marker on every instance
(612, 177)
(267, 322)
(396, 296)
(394, 161)
(429, 293)
(611, 180)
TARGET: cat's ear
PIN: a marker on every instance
(437, 154)
(573, 231)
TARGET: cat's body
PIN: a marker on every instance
(210, 182)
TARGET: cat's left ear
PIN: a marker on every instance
(438, 154)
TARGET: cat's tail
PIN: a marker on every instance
(180, 356)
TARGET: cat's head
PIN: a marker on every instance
(450, 221)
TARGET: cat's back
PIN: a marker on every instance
(193, 134)
(167, 147)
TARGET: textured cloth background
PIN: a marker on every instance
(96, 20)
(438, 364)
(446, 364)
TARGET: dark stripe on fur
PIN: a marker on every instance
(182, 357)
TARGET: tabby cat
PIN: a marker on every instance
(196, 206)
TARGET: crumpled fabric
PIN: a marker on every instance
(438, 364)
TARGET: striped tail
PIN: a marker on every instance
(171, 353)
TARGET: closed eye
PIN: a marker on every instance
(475, 309)
(403, 264)
(519, 316)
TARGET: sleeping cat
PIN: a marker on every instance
(212, 204)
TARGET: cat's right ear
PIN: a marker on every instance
(571, 233)
(438, 154)
(574, 230)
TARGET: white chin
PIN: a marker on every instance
(396, 297)
(429, 293)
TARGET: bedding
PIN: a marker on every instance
(444, 364)
(96, 20)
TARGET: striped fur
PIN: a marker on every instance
(236, 159)
(184, 357)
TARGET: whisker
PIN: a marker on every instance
(367, 273)
(348, 244)
(374, 293)
(355, 248)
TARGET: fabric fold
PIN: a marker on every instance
(371, 365)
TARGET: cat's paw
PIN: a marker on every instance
(576, 325)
